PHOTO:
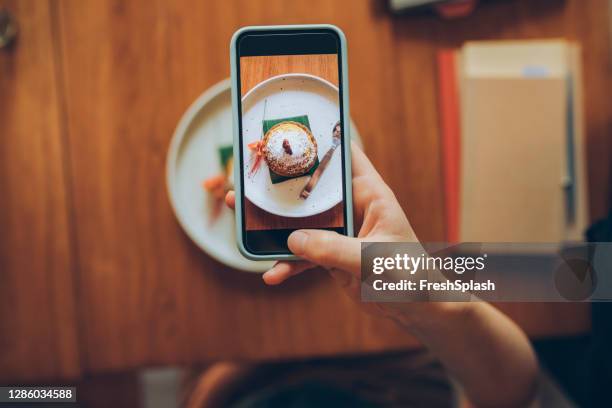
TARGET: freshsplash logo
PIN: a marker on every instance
(412, 264)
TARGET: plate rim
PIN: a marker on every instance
(171, 159)
(268, 81)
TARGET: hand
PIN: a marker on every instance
(378, 216)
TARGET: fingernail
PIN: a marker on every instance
(272, 271)
(297, 242)
(271, 274)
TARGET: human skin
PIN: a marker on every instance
(480, 346)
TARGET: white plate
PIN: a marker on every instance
(286, 96)
(192, 158)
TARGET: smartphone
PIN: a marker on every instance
(292, 166)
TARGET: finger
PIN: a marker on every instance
(361, 165)
(230, 199)
(368, 185)
(283, 270)
(327, 248)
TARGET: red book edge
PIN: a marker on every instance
(450, 127)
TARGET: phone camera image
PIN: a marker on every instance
(291, 137)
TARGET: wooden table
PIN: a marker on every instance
(95, 273)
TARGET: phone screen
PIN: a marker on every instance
(292, 158)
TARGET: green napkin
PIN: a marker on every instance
(267, 124)
(225, 153)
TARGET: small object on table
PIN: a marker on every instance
(8, 28)
(312, 182)
(447, 9)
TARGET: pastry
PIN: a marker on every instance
(289, 149)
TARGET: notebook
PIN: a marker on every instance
(512, 137)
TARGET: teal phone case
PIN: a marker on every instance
(346, 139)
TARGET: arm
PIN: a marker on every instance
(480, 346)
(485, 351)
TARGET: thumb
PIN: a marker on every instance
(327, 248)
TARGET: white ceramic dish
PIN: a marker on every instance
(287, 96)
(192, 158)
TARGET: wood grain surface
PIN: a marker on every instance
(38, 321)
(254, 70)
(96, 90)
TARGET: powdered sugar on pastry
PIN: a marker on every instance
(290, 149)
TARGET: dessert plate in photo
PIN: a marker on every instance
(311, 101)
